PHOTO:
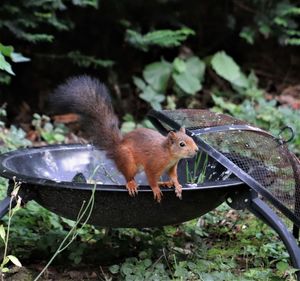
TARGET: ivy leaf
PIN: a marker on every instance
(157, 74)
(152, 97)
(4, 65)
(189, 84)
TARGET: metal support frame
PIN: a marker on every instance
(266, 214)
(246, 198)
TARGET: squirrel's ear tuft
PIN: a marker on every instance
(171, 136)
(182, 130)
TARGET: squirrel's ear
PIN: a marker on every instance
(182, 130)
(171, 136)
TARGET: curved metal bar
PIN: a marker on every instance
(266, 214)
(227, 128)
(4, 206)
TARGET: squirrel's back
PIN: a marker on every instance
(89, 98)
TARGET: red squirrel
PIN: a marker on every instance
(139, 149)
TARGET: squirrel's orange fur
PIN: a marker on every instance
(142, 148)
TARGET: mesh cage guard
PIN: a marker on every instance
(156, 117)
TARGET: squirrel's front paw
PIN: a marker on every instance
(157, 194)
(178, 191)
(132, 188)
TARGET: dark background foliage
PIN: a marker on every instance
(82, 32)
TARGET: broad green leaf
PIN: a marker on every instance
(139, 83)
(157, 74)
(241, 81)
(14, 260)
(2, 232)
(152, 97)
(179, 65)
(195, 67)
(4, 65)
(189, 84)
(225, 66)
(18, 57)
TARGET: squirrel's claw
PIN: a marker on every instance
(157, 195)
(178, 191)
(132, 188)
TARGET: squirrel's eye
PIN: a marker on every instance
(182, 144)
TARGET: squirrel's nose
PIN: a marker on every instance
(196, 149)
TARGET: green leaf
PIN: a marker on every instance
(4, 65)
(157, 74)
(83, 3)
(179, 65)
(6, 50)
(14, 260)
(17, 57)
(139, 83)
(114, 269)
(152, 97)
(162, 38)
(248, 34)
(189, 84)
(241, 81)
(2, 232)
(59, 137)
(4, 270)
(225, 66)
(282, 266)
(195, 67)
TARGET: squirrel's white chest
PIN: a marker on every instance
(171, 164)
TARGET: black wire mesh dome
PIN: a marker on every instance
(261, 160)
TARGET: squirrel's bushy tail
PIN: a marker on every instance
(89, 98)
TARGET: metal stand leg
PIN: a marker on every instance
(265, 213)
(4, 206)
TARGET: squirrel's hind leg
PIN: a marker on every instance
(126, 165)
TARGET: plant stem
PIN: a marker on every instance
(73, 233)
